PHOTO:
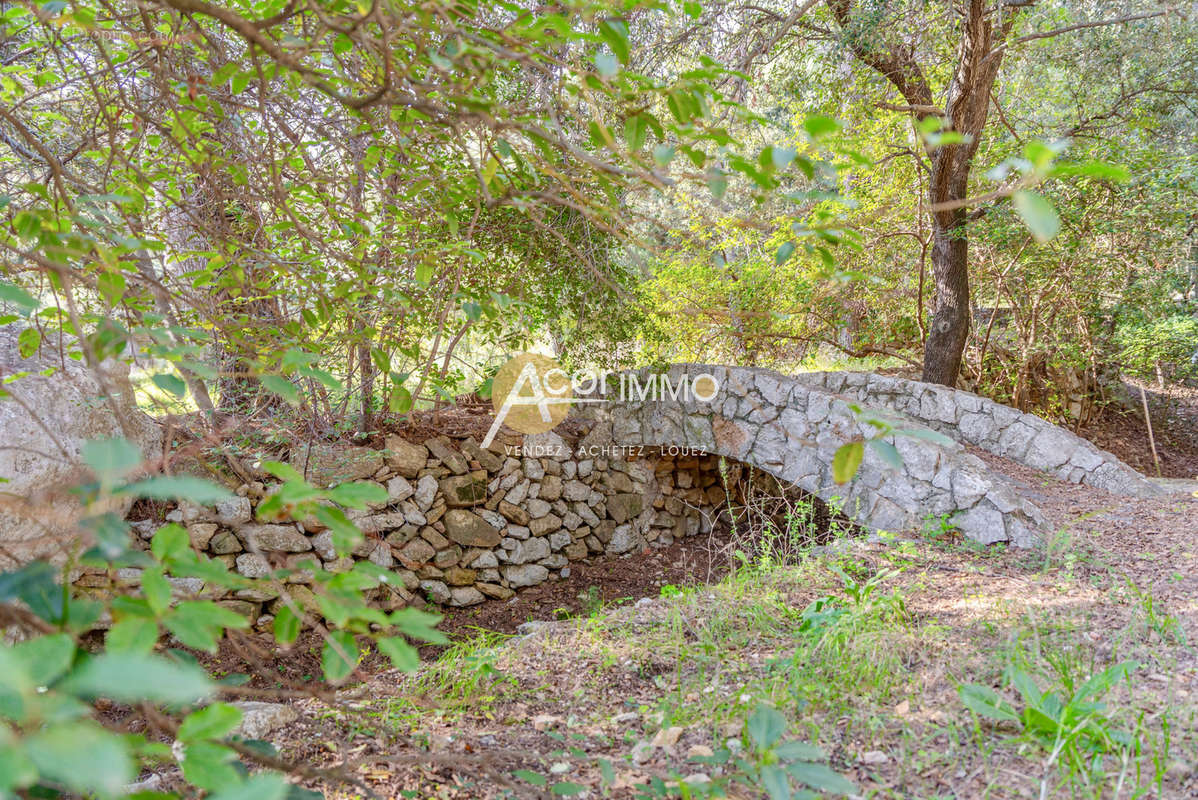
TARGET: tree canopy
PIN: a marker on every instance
(299, 219)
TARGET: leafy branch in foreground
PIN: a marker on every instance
(51, 737)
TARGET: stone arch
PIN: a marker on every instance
(792, 430)
(969, 418)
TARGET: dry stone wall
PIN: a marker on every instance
(460, 524)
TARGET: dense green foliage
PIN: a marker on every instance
(301, 215)
(1116, 250)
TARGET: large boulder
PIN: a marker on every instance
(43, 426)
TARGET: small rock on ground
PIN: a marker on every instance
(258, 719)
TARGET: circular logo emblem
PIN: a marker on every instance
(531, 393)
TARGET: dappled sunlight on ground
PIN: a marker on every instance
(872, 676)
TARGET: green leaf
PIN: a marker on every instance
(111, 286)
(171, 383)
(529, 776)
(817, 126)
(930, 124)
(263, 786)
(472, 310)
(282, 471)
(766, 726)
(211, 722)
(846, 461)
(346, 535)
(985, 702)
(381, 358)
(775, 782)
(286, 625)
(14, 680)
(282, 387)
(636, 129)
(178, 487)
(887, 452)
(615, 34)
(783, 253)
(46, 658)
(418, 625)
(358, 494)
(28, 341)
(663, 154)
(16, 770)
(111, 534)
(132, 677)
(200, 624)
(82, 756)
(926, 434)
(25, 302)
(240, 81)
(566, 789)
(206, 765)
(111, 458)
(35, 585)
(606, 64)
(1025, 684)
(170, 542)
(607, 772)
(339, 656)
(156, 589)
(800, 751)
(405, 657)
(1104, 681)
(782, 156)
(821, 777)
(717, 182)
(1041, 154)
(133, 634)
(945, 138)
(1098, 170)
(300, 793)
(399, 401)
(1038, 214)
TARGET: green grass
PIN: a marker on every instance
(464, 677)
(849, 646)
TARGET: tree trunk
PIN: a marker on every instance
(950, 319)
(366, 367)
(966, 107)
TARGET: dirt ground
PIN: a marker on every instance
(1174, 415)
(1116, 580)
(498, 706)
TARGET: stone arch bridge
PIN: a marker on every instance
(791, 427)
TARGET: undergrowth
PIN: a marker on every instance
(806, 670)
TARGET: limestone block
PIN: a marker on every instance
(405, 457)
(469, 529)
(329, 464)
